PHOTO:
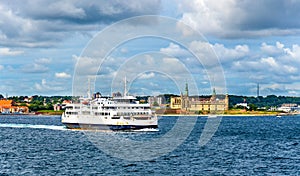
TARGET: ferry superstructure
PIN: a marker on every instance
(109, 113)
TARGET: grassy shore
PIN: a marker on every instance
(235, 112)
(243, 112)
(49, 112)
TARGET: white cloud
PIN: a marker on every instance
(42, 86)
(27, 24)
(43, 61)
(225, 54)
(244, 61)
(205, 52)
(38, 66)
(124, 50)
(9, 52)
(294, 52)
(174, 50)
(270, 61)
(34, 68)
(15, 29)
(274, 50)
(273, 64)
(208, 50)
(65, 9)
(147, 75)
(62, 75)
(290, 69)
(236, 19)
(45, 87)
(209, 17)
(86, 65)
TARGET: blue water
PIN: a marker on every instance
(40, 145)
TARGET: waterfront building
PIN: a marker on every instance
(156, 100)
(245, 105)
(7, 107)
(200, 104)
(62, 106)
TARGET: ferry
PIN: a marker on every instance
(109, 113)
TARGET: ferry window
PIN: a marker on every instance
(85, 112)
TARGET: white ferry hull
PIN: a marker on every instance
(100, 123)
(107, 127)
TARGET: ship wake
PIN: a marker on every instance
(50, 127)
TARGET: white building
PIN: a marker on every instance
(289, 108)
(157, 99)
(243, 105)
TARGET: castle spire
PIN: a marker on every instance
(214, 92)
(186, 89)
(214, 95)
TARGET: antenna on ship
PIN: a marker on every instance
(125, 87)
(89, 88)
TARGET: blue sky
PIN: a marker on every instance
(41, 42)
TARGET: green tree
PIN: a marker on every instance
(155, 104)
(252, 107)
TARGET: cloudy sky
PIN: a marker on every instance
(45, 45)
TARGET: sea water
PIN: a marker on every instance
(40, 145)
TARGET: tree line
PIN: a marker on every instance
(38, 102)
(260, 102)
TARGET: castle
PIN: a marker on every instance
(196, 104)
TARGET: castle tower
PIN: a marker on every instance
(186, 90)
(214, 95)
(226, 102)
(185, 98)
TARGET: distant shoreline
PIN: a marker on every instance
(237, 115)
(218, 115)
(58, 113)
